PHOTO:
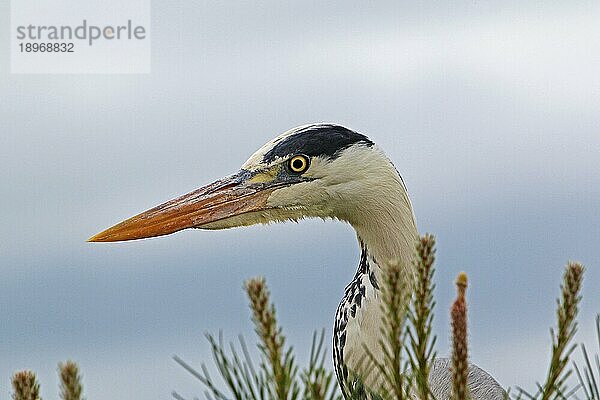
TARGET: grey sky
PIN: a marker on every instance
(491, 112)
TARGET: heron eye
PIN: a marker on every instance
(298, 164)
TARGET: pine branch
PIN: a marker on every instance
(318, 382)
(421, 354)
(395, 295)
(242, 379)
(280, 363)
(589, 381)
(460, 356)
(568, 307)
(70, 381)
(555, 386)
(25, 386)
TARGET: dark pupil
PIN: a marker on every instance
(297, 164)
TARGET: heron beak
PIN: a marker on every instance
(225, 198)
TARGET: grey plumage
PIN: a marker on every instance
(481, 384)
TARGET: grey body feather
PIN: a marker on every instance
(481, 384)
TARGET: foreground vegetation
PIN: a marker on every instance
(408, 347)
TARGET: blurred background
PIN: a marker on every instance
(490, 111)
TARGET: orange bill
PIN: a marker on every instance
(222, 199)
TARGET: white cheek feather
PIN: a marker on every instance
(362, 187)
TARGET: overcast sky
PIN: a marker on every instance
(490, 111)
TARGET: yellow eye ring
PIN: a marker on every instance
(298, 164)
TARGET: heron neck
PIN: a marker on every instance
(385, 236)
(389, 230)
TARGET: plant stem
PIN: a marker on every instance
(460, 355)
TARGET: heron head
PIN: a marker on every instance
(320, 170)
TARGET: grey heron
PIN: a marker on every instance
(316, 171)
